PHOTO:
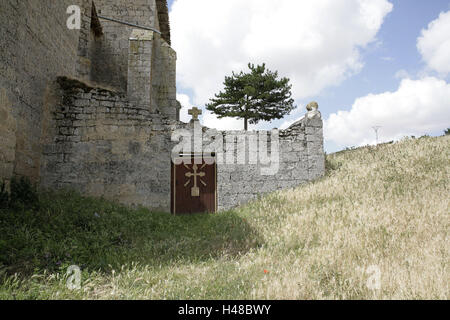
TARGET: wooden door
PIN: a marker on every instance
(194, 187)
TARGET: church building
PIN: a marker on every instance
(93, 108)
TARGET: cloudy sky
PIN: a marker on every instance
(366, 62)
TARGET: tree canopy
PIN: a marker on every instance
(253, 96)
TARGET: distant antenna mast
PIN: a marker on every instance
(376, 129)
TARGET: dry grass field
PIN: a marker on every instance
(376, 227)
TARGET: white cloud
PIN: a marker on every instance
(418, 107)
(314, 43)
(211, 121)
(207, 119)
(434, 44)
(286, 124)
(185, 106)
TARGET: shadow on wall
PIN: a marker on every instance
(95, 234)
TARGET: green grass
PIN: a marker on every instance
(386, 207)
(100, 235)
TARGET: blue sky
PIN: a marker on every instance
(397, 51)
(386, 58)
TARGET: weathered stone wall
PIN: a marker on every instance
(140, 65)
(105, 146)
(164, 95)
(90, 39)
(301, 158)
(257, 162)
(110, 58)
(8, 135)
(35, 47)
(152, 73)
(114, 56)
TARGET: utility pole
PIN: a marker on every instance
(376, 128)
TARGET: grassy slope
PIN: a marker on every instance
(386, 207)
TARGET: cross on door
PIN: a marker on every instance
(195, 190)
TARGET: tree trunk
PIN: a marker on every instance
(245, 118)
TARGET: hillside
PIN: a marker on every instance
(380, 213)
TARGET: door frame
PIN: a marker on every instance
(173, 189)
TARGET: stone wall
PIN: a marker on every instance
(105, 146)
(36, 46)
(301, 158)
(152, 73)
(114, 55)
(110, 58)
(8, 134)
(164, 79)
(102, 145)
(90, 39)
(140, 63)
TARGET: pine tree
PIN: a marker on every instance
(254, 96)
